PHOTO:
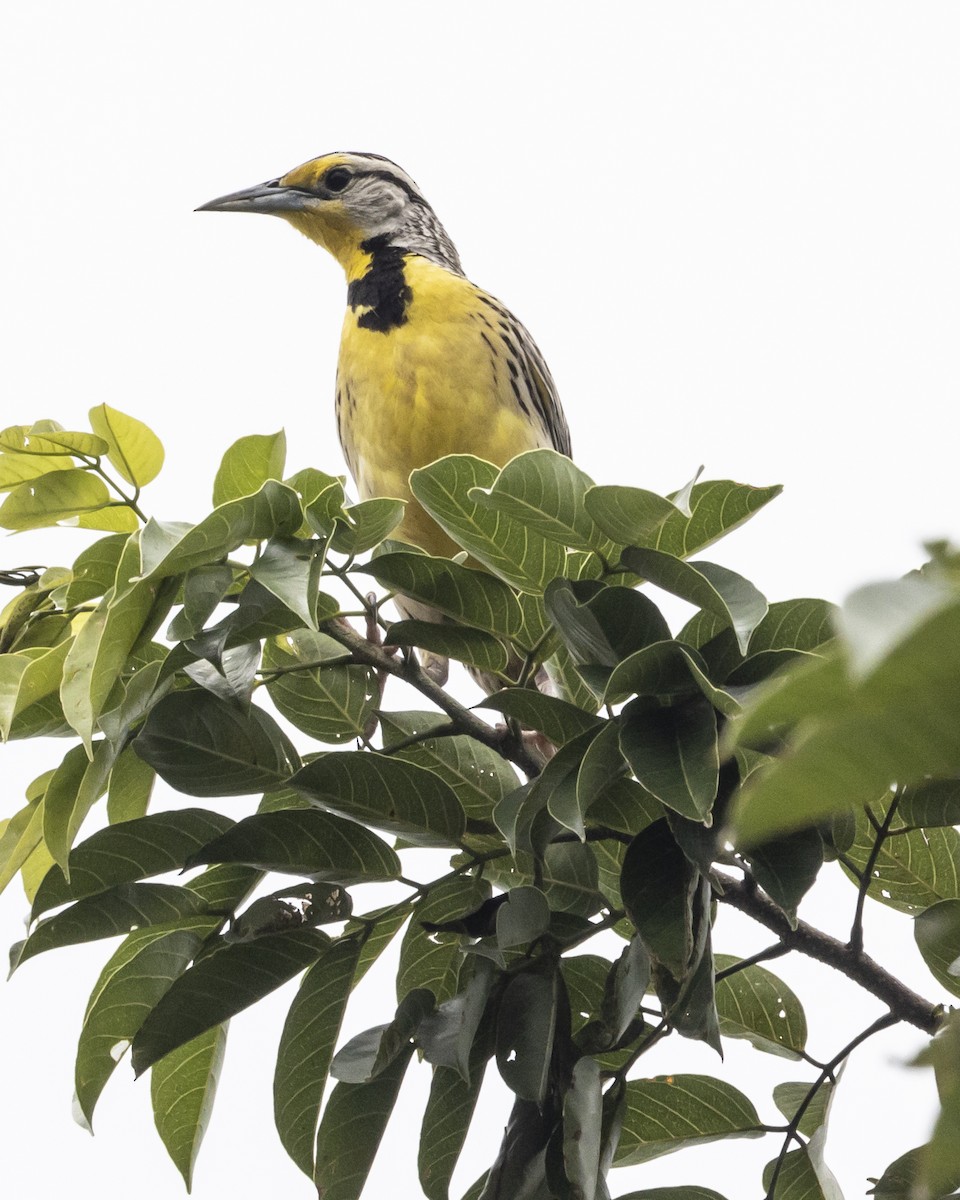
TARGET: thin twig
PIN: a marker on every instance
(367, 654)
(856, 930)
(826, 1073)
(776, 951)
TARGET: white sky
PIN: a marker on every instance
(732, 228)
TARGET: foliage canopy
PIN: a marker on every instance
(662, 776)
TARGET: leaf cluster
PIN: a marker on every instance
(659, 775)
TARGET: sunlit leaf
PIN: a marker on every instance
(183, 1087)
(133, 448)
(248, 464)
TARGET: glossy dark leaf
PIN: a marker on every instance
(469, 596)
(624, 988)
(219, 986)
(129, 851)
(478, 775)
(309, 1035)
(669, 1112)
(558, 720)
(117, 911)
(135, 979)
(204, 746)
(183, 1087)
(319, 693)
(353, 1123)
(304, 841)
(658, 885)
(525, 1032)
(290, 569)
(673, 753)
(471, 646)
(937, 932)
(368, 1054)
(397, 796)
(431, 960)
(756, 1005)
(786, 868)
(582, 1113)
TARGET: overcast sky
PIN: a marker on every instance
(731, 227)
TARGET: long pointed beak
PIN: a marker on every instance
(270, 197)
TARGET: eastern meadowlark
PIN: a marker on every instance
(430, 364)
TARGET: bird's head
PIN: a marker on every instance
(343, 201)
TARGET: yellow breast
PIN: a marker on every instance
(442, 381)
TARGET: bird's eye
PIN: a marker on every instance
(337, 179)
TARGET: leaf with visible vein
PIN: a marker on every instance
(183, 1087)
(306, 1048)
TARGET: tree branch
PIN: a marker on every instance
(857, 966)
(370, 655)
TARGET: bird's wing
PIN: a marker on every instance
(533, 383)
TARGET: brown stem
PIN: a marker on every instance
(857, 966)
(502, 741)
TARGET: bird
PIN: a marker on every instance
(430, 364)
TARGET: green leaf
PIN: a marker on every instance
(447, 1035)
(472, 597)
(630, 516)
(755, 1005)
(48, 437)
(786, 868)
(365, 525)
(203, 746)
(120, 910)
(95, 570)
(368, 1054)
(21, 468)
(601, 625)
(940, 1158)
(397, 796)
(526, 1024)
(449, 1110)
(319, 693)
(172, 549)
(75, 787)
(581, 1128)
(350, 1131)
(524, 917)
(304, 841)
(133, 448)
(431, 960)
(898, 1180)
(379, 928)
(692, 1191)
(789, 1096)
(658, 885)
(624, 988)
(898, 722)
(21, 836)
(800, 1180)
(478, 775)
(130, 787)
(27, 678)
(706, 585)
(183, 1087)
(248, 464)
(218, 986)
(669, 1112)
(716, 508)
(558, 720)
(129, 851)
(309, 1035)
(103, 645)
(932, 804)
(912, 871)
(52, 498)
(673, 753)
(937, 931)
(511, 550)
(545, 491)
(138, 974)
(470, 646)
(290, 568)
(570, 879)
